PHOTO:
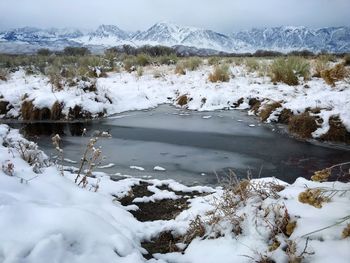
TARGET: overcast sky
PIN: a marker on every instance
(220, 15)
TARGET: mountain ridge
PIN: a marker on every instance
(282, 39)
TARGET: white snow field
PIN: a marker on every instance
(120, 92)
(46, 217)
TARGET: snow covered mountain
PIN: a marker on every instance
(287, 38)
(284, 39)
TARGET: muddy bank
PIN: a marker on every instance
(164, 209)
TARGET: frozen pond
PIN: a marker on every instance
(191, 146)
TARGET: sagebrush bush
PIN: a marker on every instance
(167, 60)
(143, 60)
(192, 63)
(288, 70)
(221, 73)
(212, 61)
(252, 64)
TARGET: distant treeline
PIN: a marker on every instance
(180, 51)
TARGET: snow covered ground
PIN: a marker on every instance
(121, 92)
(46, 217)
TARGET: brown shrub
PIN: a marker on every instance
(180, 70)
(338, 72)
(302, 125)
(267, 109)
(337, 131)
(182, 100)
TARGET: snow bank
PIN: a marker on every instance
(46, 217)
(121, 92)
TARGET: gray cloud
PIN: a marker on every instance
(220, 15)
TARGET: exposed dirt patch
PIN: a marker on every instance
(136, 191)
(3, 106)
(164, 243)
(165, 209)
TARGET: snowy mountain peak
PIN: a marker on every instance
(283, 38)
(109, 31)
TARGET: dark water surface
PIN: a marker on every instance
(192, 146)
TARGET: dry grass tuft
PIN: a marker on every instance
(313, 197)
(338, 72)
(180, 69)
(252, 64)
(285, 116)
(337, 131)
(182, 100)
(196, 229)
(221, 73)
(192, 63)
(302, 125)
(322, 175)
(287, 70)
(267, 109)
(346, 231)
